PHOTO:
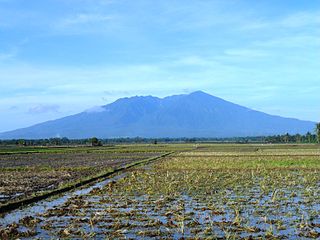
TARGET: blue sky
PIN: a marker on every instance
(60, 57)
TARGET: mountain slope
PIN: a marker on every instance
(194, 115)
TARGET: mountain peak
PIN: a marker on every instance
(199, 93)
(197, 114)
(203, 97)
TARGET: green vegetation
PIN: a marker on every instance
(94, 142)
(318, 132)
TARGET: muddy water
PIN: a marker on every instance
(45, 205)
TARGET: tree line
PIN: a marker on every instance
(285, 138)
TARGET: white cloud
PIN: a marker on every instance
(291, 41)
(8, 55)
(83, 18)
(211, 53)
(246, 53)
(254, 25)
(44, 108)
(96, 109)
(193, 61)
(88, 23)
(301, 19)
(296, 20)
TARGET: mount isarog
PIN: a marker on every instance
(193, 115)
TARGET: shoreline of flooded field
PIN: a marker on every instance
(45, 205)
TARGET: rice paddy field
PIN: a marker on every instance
(200, 191)
(26, 172)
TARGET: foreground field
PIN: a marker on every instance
(213, 191)
(26, 172)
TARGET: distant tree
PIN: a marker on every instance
(22, 142)
(95, 142)
(65, 141)
(54, 141)
(318, 132)
(286, 137)
(308, 136)
(297, 138)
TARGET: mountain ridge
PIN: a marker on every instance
(197, 114)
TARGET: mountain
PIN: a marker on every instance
(194, 115)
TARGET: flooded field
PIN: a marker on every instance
(209, 191)
(27, 172)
